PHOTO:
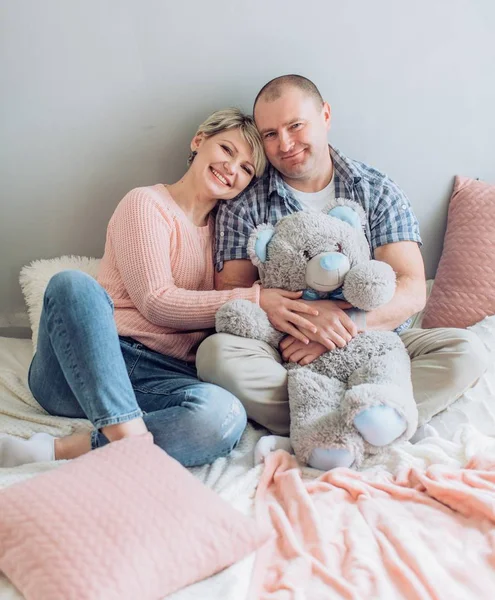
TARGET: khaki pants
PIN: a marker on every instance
(444, 364)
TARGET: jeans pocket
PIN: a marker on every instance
(131, 352)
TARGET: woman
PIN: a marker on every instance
(120, 351)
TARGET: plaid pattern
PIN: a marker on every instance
(267, 200)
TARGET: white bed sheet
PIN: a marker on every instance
(456, 434)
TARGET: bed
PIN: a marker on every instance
(452, 439)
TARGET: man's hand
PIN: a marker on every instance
(335, 329)
(295, 351)
(283, 308)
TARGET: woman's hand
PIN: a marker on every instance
(293, 350)
(284, 312)
(335, 329)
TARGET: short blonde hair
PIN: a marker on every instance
(233, 118)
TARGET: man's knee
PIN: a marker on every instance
(210, 355)
(472, 357)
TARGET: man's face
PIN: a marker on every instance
(294, 131)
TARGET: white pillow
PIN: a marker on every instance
(35, 277)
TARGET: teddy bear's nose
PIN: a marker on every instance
(333, 261)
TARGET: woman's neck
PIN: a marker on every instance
(196, 206)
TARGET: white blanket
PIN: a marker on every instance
(235, 478)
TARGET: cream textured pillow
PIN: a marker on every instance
(464, 289)
(124, 522)
(35, 277)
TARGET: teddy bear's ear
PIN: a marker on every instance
(346, 214)
(258, 242)
(347, 210)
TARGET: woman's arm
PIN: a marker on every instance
(140, 232)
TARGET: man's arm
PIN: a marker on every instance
(236, 274)
(410, 295)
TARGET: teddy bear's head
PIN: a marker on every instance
(311, 251)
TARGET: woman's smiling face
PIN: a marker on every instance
(223, 164)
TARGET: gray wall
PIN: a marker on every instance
(100, 96)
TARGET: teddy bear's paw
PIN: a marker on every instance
(268, 444)
(246, 319)
(325, 459)
(396, 414)
(380, 425)
(370, 285)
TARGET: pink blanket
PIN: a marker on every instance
(419, 535)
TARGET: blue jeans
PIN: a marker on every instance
(82, 369)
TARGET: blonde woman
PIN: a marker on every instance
(120, 352)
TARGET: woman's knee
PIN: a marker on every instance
(70, 286)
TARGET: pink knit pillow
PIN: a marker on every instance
(464, 288)
(123, 522)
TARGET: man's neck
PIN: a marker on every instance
(313, 183)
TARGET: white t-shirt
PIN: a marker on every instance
(315, 201)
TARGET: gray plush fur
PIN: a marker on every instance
(373, 369)
(248, 320)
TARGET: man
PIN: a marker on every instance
(304, 174)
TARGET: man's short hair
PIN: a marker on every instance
(274, 88)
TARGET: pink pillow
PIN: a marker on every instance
(464, 288)
(124, 521)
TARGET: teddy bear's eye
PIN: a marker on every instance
(307, 255)
(339, 247)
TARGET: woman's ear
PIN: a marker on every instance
(197, 141)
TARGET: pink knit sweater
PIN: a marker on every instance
(158, 269)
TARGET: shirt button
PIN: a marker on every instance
(222, 233)
(404, 206)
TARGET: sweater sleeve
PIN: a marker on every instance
(141, 232)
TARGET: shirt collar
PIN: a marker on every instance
(344, 170)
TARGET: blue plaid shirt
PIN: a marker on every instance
(267, 200)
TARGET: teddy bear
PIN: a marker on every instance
(350, 402)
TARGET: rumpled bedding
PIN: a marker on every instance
(423, 532)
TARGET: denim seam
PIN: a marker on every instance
(68, 348)
(149, 392)
(94, 439)
(104, 422)
(135, 362)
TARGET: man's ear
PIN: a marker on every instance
(258, 243)
(327, 115)
(196, 142)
